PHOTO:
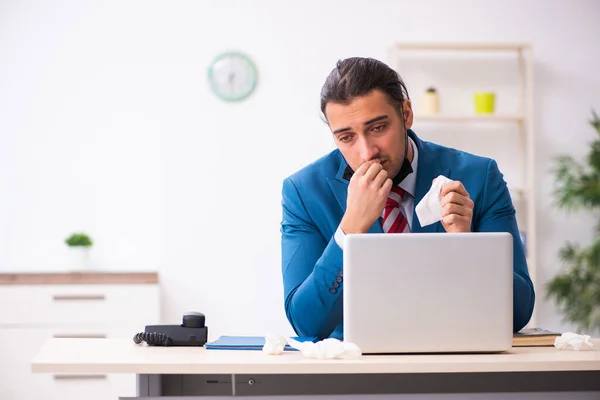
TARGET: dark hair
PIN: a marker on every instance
(356, 76)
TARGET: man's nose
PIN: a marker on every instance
(368, 150)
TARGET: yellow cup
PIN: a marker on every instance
(484, 102)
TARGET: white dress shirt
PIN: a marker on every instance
(407, 204)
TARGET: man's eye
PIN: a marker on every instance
(344, 139)
(378, 128)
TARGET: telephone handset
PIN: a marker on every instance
(191, 332)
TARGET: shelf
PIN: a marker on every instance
(469, 118)
(521, 120)
(463, 46)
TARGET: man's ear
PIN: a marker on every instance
(408, 113)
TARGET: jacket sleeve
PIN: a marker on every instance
(498, 215)
(311, 267)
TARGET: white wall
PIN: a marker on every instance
(107, 125)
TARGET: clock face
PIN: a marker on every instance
(232, 76)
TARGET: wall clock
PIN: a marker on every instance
(232, 76)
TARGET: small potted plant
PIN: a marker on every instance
(80, 245)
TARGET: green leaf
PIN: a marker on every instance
(79, 239)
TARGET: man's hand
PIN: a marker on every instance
(457, 207)
(367, 194)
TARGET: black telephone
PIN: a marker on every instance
(191, 332)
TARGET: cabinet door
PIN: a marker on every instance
(19, 346)
(17, 385)
(44, 305)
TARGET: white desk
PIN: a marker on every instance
(195, 371)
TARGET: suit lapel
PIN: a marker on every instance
(339, 187)
(429, 168)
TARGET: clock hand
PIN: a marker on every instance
(230, 79)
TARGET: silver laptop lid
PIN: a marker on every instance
(428, 292)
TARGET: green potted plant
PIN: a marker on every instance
(80, 245)
(576, 290)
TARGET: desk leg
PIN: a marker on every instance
(148, 385)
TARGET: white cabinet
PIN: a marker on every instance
(66, 307)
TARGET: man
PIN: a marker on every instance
(372, 183)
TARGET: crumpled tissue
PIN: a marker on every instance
(329, 348)
(572, 340)
(429, 209)
(274, 344)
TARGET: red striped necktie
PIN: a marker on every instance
(392, 220)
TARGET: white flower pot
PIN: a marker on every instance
(79, 258)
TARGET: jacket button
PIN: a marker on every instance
(341, 273)
(339, 279)
(335, 284)
(332, 290)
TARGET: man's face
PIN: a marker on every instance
(370, 128)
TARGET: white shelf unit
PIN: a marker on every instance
(523, 195)
(72, 307)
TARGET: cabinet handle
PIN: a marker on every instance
(79, 335)
(65, 377)
(77, 297)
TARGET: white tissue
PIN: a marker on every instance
(327, 348)
(573, 340)
(324, 349)
(274, 344)
(429, 209)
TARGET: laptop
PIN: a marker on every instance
(428, 292)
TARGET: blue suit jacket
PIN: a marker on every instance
(314, 201)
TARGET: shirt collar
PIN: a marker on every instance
(410, 182)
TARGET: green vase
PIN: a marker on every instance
(484, 102)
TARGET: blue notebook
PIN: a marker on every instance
(247, 343)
